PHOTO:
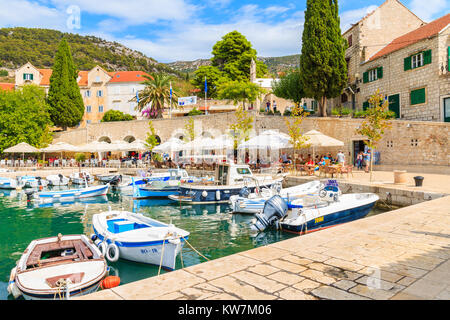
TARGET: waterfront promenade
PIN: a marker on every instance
(401, 254)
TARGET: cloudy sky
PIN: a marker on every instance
(171, 30)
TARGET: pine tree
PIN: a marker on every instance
(322, 63)
(64, 97)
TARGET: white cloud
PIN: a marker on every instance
(427, 9)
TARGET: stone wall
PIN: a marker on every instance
(406, 143)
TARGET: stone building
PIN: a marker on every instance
(412, 73)
(365, 38)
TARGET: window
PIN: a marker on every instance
(414, 142)
(97, 79)
(350, 41)
(417, 60)
(373, 75)
(88, 109)
(418, 96)
(99, 93)
(28, 76)
(390, 144)
(100, 108)
(243, 171)
(87, 93)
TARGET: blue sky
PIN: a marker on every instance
(170, 30)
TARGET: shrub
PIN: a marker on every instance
(3, 73)
(287, 113)
(195, 112)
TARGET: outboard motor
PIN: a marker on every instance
(29, 195)
(39, 181)
(115, 181)
(274, 209)
(277, 187)
(244, 193)
(61, 177)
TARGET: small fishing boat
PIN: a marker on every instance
(254, 202)
(8, 183)
(68, 201)
(57, 180)
(81, 177)
(106, 178)
(229, 180)
(69, 195)
(137, 238)
(163, 189)
(58, 268)
(31, 182)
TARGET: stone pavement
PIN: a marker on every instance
(401, 254)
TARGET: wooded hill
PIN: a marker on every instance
(38, 46)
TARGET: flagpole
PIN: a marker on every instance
(206, 91)
(170, 106)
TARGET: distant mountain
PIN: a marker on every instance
(38, 46)
(274, 64)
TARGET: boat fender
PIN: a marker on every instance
(218, 195)
(112, 252)
(94, 237)
(12, 286)
(110, 282)
(204, 194)
(102, 246)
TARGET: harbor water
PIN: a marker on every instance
(214, 231)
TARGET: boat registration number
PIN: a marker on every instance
(147, 251)
(317, 220)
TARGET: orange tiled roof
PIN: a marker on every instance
(7, 86)
(127, 76)
(422, 33)
(46, 74)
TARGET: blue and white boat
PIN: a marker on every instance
(131, 236)
(81, 177)
(70, 194)
(8, 183)
(163, 189)
(254, 202)
(229, 180)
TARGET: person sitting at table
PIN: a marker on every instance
(284, 158)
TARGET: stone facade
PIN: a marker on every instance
(95, 96)
(369, 35)
(406, 143)
(434, 77)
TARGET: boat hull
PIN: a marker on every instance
(73, 293)
(73, 194)
(329, 220)
(145, 193)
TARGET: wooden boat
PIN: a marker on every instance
(138, 238)
(229, 180)
(71, 194)
(58, 268)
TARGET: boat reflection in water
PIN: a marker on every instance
(68, 202)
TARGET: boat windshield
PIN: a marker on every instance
(243, 171)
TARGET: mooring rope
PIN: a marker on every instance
(195, 249)
(162, 255)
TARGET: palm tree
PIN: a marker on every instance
(155, 95)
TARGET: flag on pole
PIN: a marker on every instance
(137, 96)
(206, 86)
(170, 90)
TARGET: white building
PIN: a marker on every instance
(122, 88)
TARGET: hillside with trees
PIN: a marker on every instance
(38, 46)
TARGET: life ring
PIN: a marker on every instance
(114, 256)
(102, 246)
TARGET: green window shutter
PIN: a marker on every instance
(427, 57)
(448, 65)
(24, 76)
(407, 63)
(380, 72)
(418, 96)
(366, 105)
(31, 76)
(365, 77)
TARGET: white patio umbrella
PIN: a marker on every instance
(22, 148)
(268, 139)
(173, 144)
(318, 139)
(58, 147)
(95, 146)
(137, 145)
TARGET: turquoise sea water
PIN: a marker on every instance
(215, 232)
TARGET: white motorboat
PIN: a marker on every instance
(81, 177)
(58, 268)
(251, 203)
(8, 183)
(138, 238)
(107, 177)
(57, 180)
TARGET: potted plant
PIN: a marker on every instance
(79, 158)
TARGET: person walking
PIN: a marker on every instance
(268, 106)
(340, 157)
(359, 160)
(274, 106)
(367, 160)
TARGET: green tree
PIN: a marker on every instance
(189, 128)
(323, 69)
(289, 87)
(80, 158)
(116, 115)
(64, 97)
(152, 140)
(213, 76)
(195, 112)
(238, 91)
(156, 95)
(240, 129)
(233, 55)
(376, 122)
(24, 117)
(295, 131)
